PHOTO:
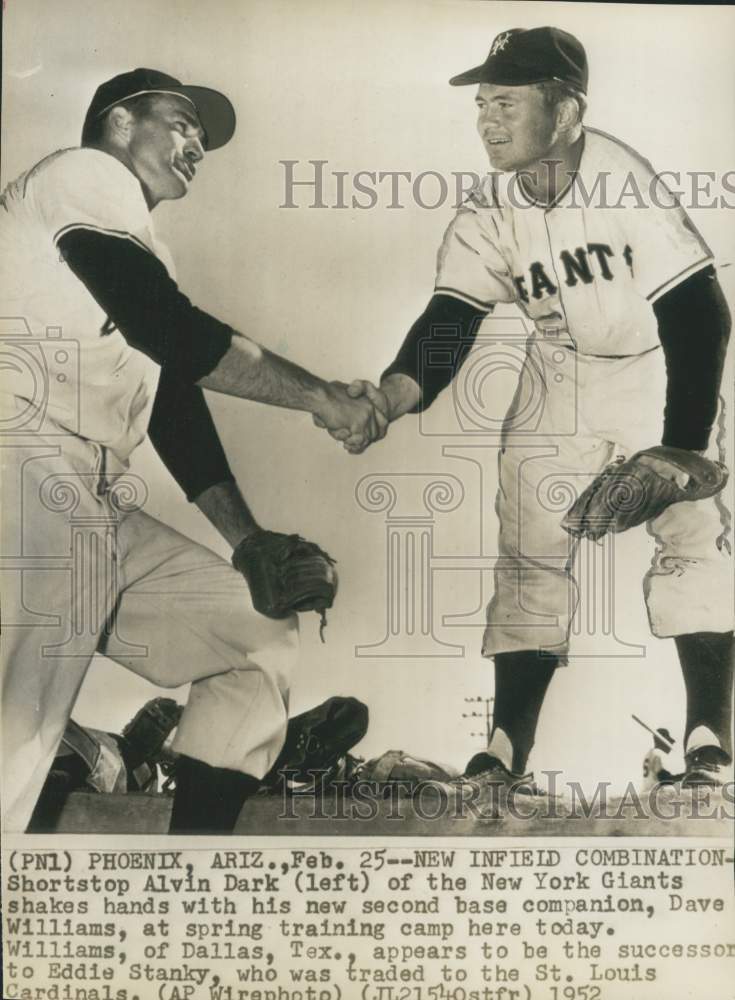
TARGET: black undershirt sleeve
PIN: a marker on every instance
(136, 291)
(693, 323)
(437, 345)
(140, 298)
(184, 435)
(694, 328)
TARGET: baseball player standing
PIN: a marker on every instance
(575, 228)
(80, 255)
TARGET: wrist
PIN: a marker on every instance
(225, 507)
(320, 398)
(402, 393)
(245, 531)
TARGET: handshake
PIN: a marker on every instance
(356, 414)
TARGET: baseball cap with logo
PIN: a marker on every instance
(214, 110)
(520, 56)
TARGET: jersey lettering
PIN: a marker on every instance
(540, 282)
(628, 258)
(602, 251)
(576, 268)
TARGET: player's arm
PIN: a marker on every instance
(135, 290)
(694, 328)
(184, 435)
(672, 268)
(409, 383)
(471, 277)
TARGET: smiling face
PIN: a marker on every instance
(516, 126)
(164, 145)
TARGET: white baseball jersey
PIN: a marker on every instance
(586, 268)
(170, 610)
(97, 385)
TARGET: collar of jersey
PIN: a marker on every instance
(546, 207)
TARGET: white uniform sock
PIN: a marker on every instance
(501, 747)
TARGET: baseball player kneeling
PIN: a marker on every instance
(576, 229)
(80, 256)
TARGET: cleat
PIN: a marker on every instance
(484, 769)
(705, 767)
(486, 780)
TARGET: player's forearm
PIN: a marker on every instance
(250, 371)
(444, 314)
(225, 507)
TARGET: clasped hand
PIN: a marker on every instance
(356, 414)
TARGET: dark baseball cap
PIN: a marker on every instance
(214, 110)
(520, 56)
(663, 740)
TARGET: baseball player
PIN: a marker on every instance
(81, 258)
(630, 334)
(654, 772)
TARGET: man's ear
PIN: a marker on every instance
(120, 124)
(567, 114)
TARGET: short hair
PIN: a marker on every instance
(139, 106)
(556, 91)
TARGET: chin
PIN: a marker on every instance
(169, 192)
(500, 163)
(176, 191)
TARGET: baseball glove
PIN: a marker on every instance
(285, 573)
(631, 491)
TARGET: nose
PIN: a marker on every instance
(488, 118)
(194, 151)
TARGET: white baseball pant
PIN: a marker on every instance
(83, 570)
(614, 406)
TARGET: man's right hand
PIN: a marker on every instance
(353, 414)
(362, 388)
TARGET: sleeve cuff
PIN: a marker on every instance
(464, 297)
(657, 293)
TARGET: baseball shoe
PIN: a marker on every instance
(485, 782)
(489, 772)
(705, 767)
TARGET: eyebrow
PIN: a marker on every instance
(191, 119)
(502, 96)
